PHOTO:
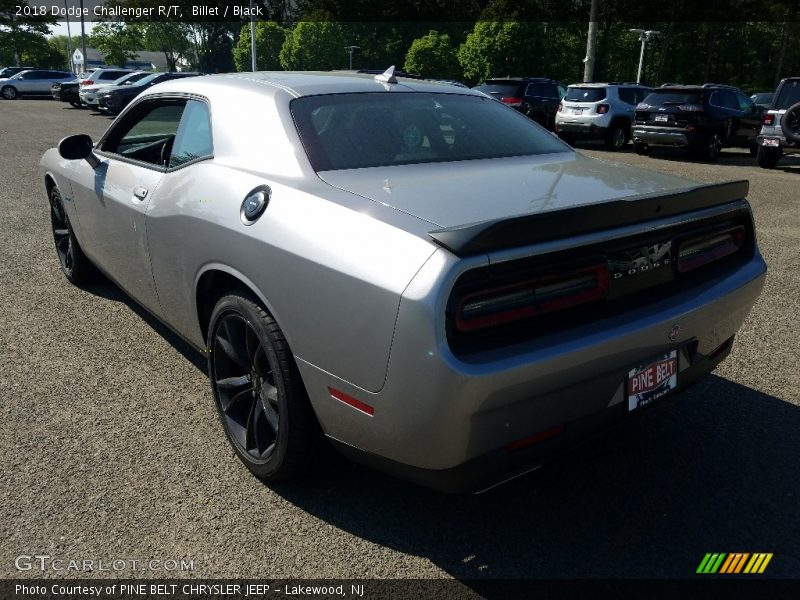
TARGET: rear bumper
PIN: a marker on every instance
(446, 421)
(778, 142)
(582, 130)
(664, 136)
(89, 98)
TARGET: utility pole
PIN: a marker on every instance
(69, 40)
(83, 42)
(591, 45)
(252, 39)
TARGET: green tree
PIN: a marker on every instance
(270, 37)
(116, 42)
(316, 44)
(21, 39)
(168, 37)
(433, 56)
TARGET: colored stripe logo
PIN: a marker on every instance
(736, 562)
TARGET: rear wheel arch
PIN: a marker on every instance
(49, 183)
(216, 282)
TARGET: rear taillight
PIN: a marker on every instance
(690, 107)
(543, 295)
(602, 109)
(769, 120)
(86, 82)
(701, 251)
(511, 100)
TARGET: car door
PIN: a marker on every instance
(111, 200)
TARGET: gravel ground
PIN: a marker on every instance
(111, 447)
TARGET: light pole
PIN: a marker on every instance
(351, 50)
(252, 39)
(644, 37)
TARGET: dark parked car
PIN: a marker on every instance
(780, 133)
(67, 91)
(702, 118)
(535, 97)
(113, 99)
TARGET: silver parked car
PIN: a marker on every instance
(35, 82)
(424, 275)
(88, 91)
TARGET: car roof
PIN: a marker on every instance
(616, 83)
(306, 83)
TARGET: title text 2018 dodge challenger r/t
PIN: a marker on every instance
(437, 284)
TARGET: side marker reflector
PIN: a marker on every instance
(535, 439)
(350, 401)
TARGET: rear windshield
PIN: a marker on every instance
(498, 89)
(659, 98)
(789, 95)
(585, 94)
(353, 131)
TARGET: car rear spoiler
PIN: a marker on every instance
(476, 238)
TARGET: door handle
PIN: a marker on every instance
(140, 192)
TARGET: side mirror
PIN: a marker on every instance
(77, 147)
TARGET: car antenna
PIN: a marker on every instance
(387, 76)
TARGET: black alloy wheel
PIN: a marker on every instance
(260, 398)
(75, 266)
(616, 137)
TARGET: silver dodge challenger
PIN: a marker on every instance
(439, 286)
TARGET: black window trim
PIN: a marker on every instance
(150, 98)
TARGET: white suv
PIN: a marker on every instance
(100, 78)
(780, 132)
(88, 93)
(599, 111)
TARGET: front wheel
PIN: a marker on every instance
(9, 92)
(75, 104)
(768, 157)
(74, 264)
(260, 397)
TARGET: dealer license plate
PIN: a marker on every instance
(577, 111)
(649, 382)
(774, 142)
(661, 118)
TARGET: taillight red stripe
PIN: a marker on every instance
(535, 439)
(350, 401)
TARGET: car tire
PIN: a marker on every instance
(711, 147)
(790, 123)
(76, 105)
(616, 137)
(76, 267)
(753, 149)
(642, 149)
(9, 92)
(768, 157)
(260, 398)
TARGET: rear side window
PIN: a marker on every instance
(193, 139)
(588, 94)
(352, 131)
(789, 95)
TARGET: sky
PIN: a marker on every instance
(60, 28)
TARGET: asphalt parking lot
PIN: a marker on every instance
(111, 447)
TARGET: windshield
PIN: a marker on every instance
(498, 89)
(659, 98)
(353, 131)
(129, 78)
(147, 79)
(789, 95)
(585, 94)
